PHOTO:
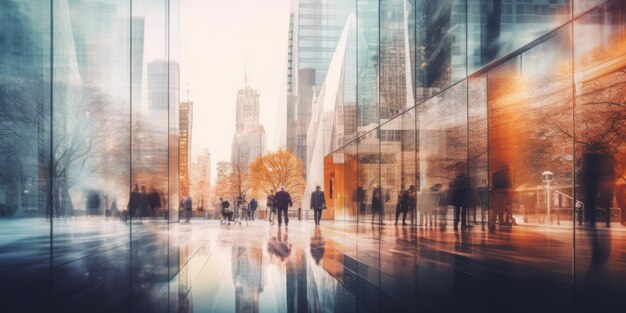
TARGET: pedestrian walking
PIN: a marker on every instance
(187, 207)
(271, 208)
(318, 203)
(253, 206)
(282, 201)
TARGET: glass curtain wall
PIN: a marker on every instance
(25, 154)
(88, 140)
(514, 135)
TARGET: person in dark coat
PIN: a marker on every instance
(271, 208)
(143, 202)
(226, 212)
(318, 203)
(404, 202)
(253, 206)
(154, 201)
(459, 197)
(133, 202)
(377, 205)
(282, 201)
(501, 196)
(187, 206)
(598, 181)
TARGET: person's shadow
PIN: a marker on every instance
(318, 245)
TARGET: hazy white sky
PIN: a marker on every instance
(216, 38)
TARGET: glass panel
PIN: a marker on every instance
(150, 204)
(372, 199)
(496, 28)
(397, 243)
(91, 145)
(600, 119)
(440, 45)
(442, 149)
(530, 168)
(368, 64)
(581, 6)
(397, 47)
(25, 140)
(477, 128)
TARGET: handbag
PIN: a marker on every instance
(323, 206)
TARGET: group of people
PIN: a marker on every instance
(277, 205)
(247, 210)
(143, 203)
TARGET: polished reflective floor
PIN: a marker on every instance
(203, 266)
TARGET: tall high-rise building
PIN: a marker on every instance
(201, 179)
(314, 30)
(184, 145)
(163, 87)
(249, 139)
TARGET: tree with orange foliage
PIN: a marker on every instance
(276, 169)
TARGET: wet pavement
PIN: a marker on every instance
(202, 266)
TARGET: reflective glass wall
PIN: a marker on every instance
(89, 144)
(501, 165)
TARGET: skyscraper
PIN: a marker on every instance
(249, 139)
(184, 145)
(162, 84)
(314, 30)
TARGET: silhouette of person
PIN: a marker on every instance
(143, 203)
(282, 201)
(404, 202)
(377, 205)
(133, 202)
(458, 196)
(598, 181)
(154, 201)
(318, 203)
(501, 196)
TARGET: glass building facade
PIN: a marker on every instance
(89, 134)
(505, 115)
(505, 119)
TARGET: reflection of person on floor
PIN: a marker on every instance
(458, 196)
(377, 206)
(402, 206)
(279, 245)
(318, 245)
(318, 203)
(598, 181)
(501, 196)
(283, 202)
